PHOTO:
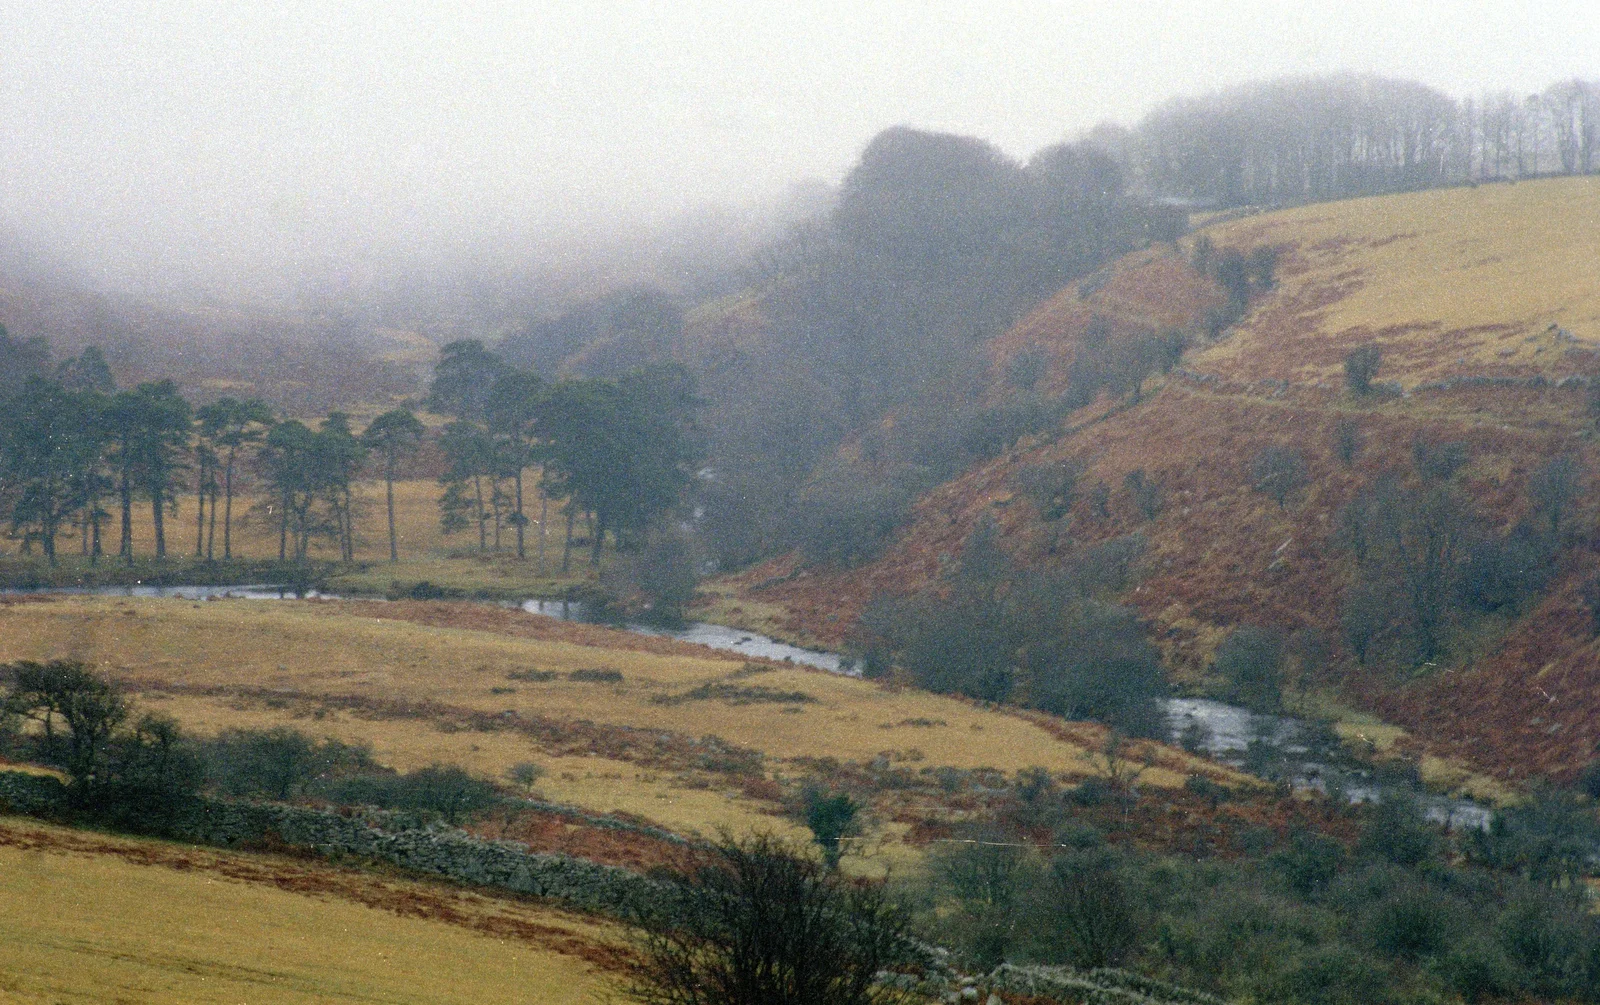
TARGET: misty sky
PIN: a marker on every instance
(213, 144)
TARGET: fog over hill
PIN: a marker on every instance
(307, 155)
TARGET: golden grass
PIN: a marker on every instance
(316, 648)
(85, 918)
(1450, 281)
(319, 668)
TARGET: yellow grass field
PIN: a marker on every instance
(422, 693)
(94, 919)
(1449, 282)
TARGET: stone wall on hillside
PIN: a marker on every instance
(382, 837)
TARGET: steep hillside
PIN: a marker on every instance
(1486, 306)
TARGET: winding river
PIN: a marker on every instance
(1280, 746)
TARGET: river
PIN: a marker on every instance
(1278, 746)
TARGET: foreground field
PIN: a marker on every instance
(668, 732)
(89, 918)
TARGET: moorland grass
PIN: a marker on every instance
(91, 918)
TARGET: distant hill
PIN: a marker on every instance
(303, 365)
(1485, 304)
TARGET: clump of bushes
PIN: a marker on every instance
(1049, 640)
(144, 774)
(1394, 917)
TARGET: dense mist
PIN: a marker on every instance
(305, 153)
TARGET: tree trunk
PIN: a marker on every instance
(521, 520)
(227, 511)
(125, 546)
(211, 529)
(388, 488)
(566, 549)
(83, 548)
(94, 543)
(159, 518)
(483, 518)
(283, 528)
(544, 504)
(349, 549)
(597, 535)
(200, 513)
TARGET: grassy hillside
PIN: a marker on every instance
(1449, 282)
(685, 738)
(91, 918)
(1478, 283)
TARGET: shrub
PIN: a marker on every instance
(1555, 487)
(1099, 665)
(1476, 969)
(1205, 788)
(1360, 366)
(1038, 797)
(989, 880)
(845, 522)
(1310, 862)
(1250, 660)
(1262, 265)
(831, 818)
(1438, 461)
(278, 763)
(1589, 780)
(1145, 493)
(1398, 833)
(1503, 572)
(1554, 939)
(662, 576)
(1233, 275)
(1278, 473)
(152, 776)
(1026, 368)
(763, 925)
(1347, 441)
(1086, 916)
(525, 775)
(1331, 975)
(1052, 487)
(445, 791)
(1411, 923)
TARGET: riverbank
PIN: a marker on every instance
(500, 579)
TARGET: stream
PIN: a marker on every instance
(1279, 747)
